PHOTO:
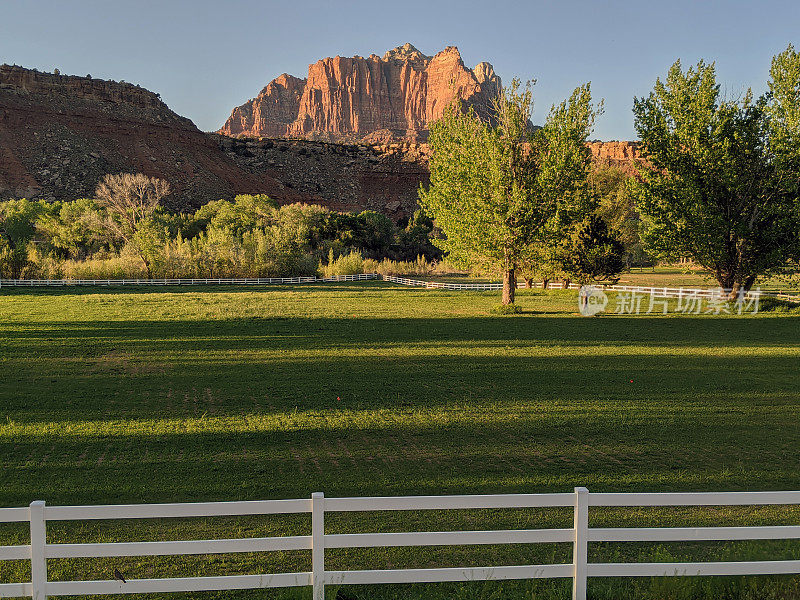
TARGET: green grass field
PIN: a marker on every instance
(193, 394)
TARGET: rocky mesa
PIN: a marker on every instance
(373, 99)
(59, 134)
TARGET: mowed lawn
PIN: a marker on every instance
(198, 394)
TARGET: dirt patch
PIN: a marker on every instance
(122, 363)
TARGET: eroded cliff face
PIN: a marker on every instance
(59, 135)
(623, 155)
(29, 81)
(384, 177)
(273, 111)
(373, 99)
(344, 177)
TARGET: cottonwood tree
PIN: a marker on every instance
(723, 176)
(498, 187)
(130, 201)
(17, 230)
(75, 229)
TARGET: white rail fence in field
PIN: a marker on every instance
(657, 292)
(580, 535)
(196, 281)
(666, 292)
(441, 285)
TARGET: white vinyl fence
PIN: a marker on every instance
(666, 292)
(579, 570)
(196, 281)
(440, 285)
(657, 292)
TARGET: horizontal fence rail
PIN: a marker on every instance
(656, 292)
(194, 281)
(442, 285)
(666, 292)
(579, 536)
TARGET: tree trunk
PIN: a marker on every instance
(566, 283)
(528, 282)
(741, 288)
(146, 266)
(545, 283)
(509, 286)
(730, 287)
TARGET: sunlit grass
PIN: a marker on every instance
(187, 394)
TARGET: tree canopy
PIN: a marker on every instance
(722, 180)
(498, 187)
(17, 231)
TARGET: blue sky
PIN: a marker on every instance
(206, 57)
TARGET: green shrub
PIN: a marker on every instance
(420, 266)
(507, 309)
(347, 264)
(124, 266)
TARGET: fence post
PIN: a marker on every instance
(318, 545)
(38, 558)
(580, 548)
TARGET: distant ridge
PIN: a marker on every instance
(59, 134)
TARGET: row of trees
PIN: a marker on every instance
(126, 229)
(720, 183)
(125, 232)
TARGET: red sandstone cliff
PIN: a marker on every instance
(272, 111)
(367, 99)
(60, 134)
(623, 155)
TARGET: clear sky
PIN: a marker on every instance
(204, 57)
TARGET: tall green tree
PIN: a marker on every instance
(246, 212)
(17, 229)
(76, 229)
(498, 187)
(415, 238)
(722, 180)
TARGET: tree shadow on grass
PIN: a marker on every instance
(357, 331)
(623, 450)
(146, 369)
